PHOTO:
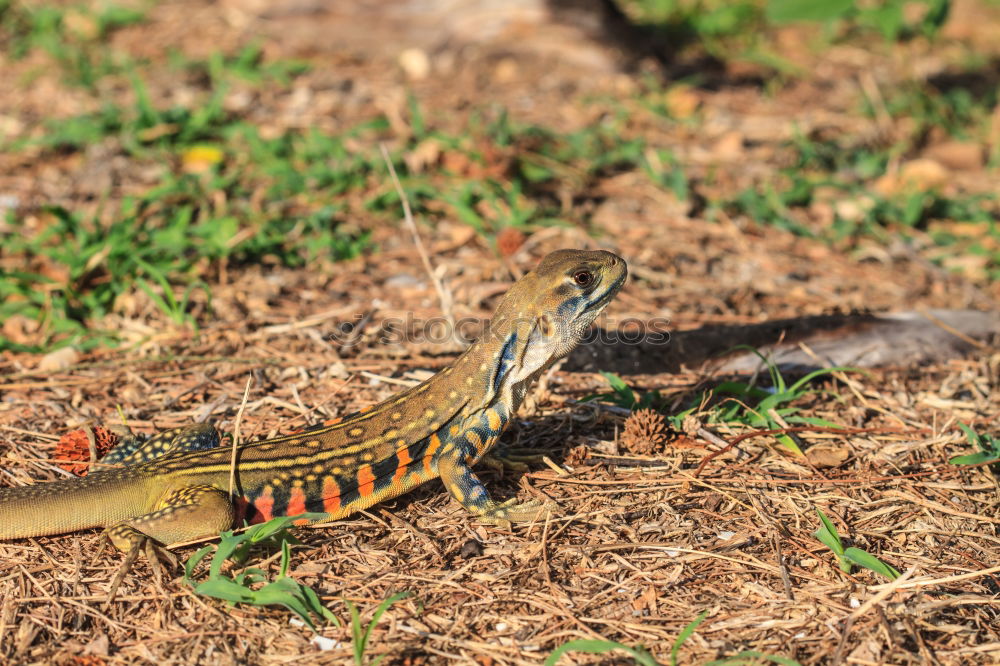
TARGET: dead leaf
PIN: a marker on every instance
(921, 174)
(729, 147)
(427, 153)
(828, 455)
(681, 102)
(415, 63)
(957, 155)
(59, 359)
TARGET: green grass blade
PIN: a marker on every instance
(819, 373)
(684, 635)
(975, 458)
(971, 435)
(361, 638)
(225, 589)
(193, 561)
(356, 632)
(827, 533)
(870, 562)
(789, 443)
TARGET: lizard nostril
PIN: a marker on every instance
(614, 261)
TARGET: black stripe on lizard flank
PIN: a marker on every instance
(384, 470)
(314, 497)
(504, 361)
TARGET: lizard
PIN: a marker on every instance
(173, 489)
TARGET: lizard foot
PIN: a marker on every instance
(502, 514)
(514, 460)
(131, 541)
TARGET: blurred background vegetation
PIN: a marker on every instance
(207, 179)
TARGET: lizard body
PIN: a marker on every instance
(173, 492)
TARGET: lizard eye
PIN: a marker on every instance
(583, 278)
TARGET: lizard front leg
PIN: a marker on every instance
(465, 486)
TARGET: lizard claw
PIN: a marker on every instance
(130, 541)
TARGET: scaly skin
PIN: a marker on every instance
(440, 428)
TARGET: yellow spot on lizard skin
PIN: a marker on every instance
(453, 395)
(397, 415)
(401, 443)
(337, 471)
(318, 469)
(356, 432)
(369, 456)
(493, 418)
(473, 438)
(390, 433)
(454, 431)
(313, 443)
(429, 413)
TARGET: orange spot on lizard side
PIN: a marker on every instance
(331, 496)
(429, 454)
(264, 506)
(366, 481)
(296, 502)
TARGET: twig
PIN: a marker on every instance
(951, 329)
(884, 592)
(938, 581)
(786, 431)
(443, 295)
(236, 435)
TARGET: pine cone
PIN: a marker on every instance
(577, 455)
(509, 241)
(645, 432)
(75, 446)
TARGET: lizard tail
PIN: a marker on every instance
(99, 499)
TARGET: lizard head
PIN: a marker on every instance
(544, 315)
